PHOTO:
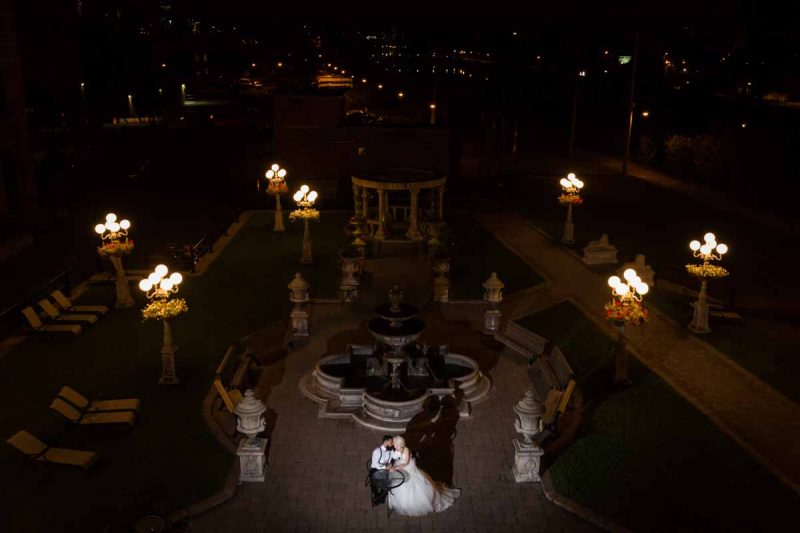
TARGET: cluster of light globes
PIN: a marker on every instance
(632, 284)
(158, 279)
(112, 225)
(571, 182)
(276, 171)
(709, 246)
(305, 196)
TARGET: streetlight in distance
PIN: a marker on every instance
(158, 287)
(115, 244)
(401, 95)
(645, 114)
(704, 272)
(433, 114)
(305, 199)
(276, 185)
(380, 86)
(571, 195)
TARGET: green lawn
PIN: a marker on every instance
(643, 218)
(476, 254)
(170, 459)
(644, 457)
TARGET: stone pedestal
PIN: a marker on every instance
(527, 462)
(306, 257)
(441, 289)
(299, 318)
(252, 460)
(600, 252)
(491, 320)
(349, 283)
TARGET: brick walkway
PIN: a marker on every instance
(763, 421)
(316, 473)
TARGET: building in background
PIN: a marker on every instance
(17, 178)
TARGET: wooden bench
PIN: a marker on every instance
(231, 376)
(561, 369)
(521, 340)
(554, 407)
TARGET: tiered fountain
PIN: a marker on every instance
(383, 386)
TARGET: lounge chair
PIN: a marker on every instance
(36, 324)
(53, 313)
(76, 417)
(36, 450)
(96, 406)
(67, 305)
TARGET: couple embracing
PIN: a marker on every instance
(419, 494)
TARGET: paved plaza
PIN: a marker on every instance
(317, 467)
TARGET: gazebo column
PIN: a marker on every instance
(441, 203)
(413, 230)
(364, 203)
(357, 212)
(381, 233)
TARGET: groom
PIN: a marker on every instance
(379, 469)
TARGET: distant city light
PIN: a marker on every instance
(605, 52)
(163, 65)
(363, 80)
(252, 65)
(380, 86)
(624, 60)
(432, 106)
(514, 34)
(400, 95)
(538, 58)
(279, 65)
(744, 124)
(582, 73)
(645, 114)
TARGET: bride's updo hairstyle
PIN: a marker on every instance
(399, 442)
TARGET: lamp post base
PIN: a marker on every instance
(124, 298)
(699, 323)
(278, 215)
(168, 374)
(569, 233)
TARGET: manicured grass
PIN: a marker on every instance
(476, 254)
(169, 459)
(645, 457)
(643, 218)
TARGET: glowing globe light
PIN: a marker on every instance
(722, 249)
(709, 237)
(629, 274)
(176, 278)
(100, 229)
(642, 288)
(166, 284)
(125, 224)
(111, 217)
(613, 281)
(694, 245)
(298, 196)
(161, 270)
(145, 285)
(154, 278)
(312, 196)
(304, 189)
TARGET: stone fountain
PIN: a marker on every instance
(384, 385)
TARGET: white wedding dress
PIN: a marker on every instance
(420, 494)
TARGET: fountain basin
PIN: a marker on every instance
(362, 398)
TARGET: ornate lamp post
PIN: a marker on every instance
(625, 308)
(704, 272)
(276, 185)
(305, 199)
(571, 195)
(115, 244)
(158, 287)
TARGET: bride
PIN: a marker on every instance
(419, 495)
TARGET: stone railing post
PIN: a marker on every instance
(528, 453)
(251, 451)
(298, 295)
